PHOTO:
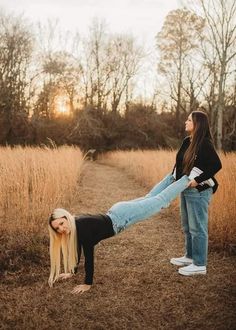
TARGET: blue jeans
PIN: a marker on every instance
(194, 218)
(124, 214)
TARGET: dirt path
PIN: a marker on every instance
(135, 286)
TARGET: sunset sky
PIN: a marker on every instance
(141, 18)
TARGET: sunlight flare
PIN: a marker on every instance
(62, 105)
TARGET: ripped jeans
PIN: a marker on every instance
(125, 214)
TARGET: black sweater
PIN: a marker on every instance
(206, 160)
(91, 229)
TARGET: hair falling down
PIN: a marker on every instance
(65, 244)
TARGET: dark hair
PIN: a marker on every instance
(201, 130)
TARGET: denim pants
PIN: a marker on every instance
(124, 214)
(194, 218)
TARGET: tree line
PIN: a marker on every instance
(83, 90)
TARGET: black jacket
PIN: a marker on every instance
(206, 160)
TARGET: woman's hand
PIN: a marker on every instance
(65, 276)
(192, 184)
(81, 288)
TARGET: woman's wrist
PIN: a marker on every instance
(65, 276)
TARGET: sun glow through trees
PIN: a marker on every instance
(62, 105)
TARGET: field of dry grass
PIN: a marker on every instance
(148, 167)
(135, 286)
(33, 181)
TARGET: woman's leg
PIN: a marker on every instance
(197, 208)
(124, 214)
(185, 225)
(159, 187)
(187, 258)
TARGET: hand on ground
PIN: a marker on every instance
(78, 289)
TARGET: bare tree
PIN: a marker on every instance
(16, 44)
(220, 16)
(95, 65)
(124, 60)
(60, 68)
(110, 63)
(178, 38)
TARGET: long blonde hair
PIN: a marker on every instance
(67, 244)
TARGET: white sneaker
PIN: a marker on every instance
(192, 270)
(182, 261)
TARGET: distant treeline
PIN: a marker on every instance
(91, 128)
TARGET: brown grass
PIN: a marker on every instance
(135, 286)
(33, 181)
(148, 167)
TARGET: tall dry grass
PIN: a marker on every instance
(33, 181)
(148, 167)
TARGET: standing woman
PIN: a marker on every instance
(198, 159)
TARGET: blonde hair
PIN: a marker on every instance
(67, 244)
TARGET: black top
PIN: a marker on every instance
(206, 160)
(91, 229)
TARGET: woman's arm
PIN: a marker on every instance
(89, 269)
(88, 263)
(209, 160)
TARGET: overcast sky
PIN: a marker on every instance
(142, 18)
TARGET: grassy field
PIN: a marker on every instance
(33, 181)
(148, 167)
(135, 286)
